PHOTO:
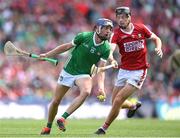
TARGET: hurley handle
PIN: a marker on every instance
(51, 60)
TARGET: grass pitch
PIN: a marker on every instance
(86, 127)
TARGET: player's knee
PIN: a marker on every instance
(85, 94)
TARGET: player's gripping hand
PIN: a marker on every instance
(159, 52)
(101, 95)
(41, 56)
(101, 98)
(114, 62)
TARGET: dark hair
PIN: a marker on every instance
(121, 10)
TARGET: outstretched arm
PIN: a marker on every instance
(59, 49)
(158, 44)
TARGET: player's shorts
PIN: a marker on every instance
(68, 79)
(133, 77)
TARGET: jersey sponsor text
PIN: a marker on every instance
(133, 46)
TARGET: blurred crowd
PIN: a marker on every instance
(40, 25)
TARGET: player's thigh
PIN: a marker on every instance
(137, 77)
(121, 78)
(126, 91)
(66, 79)
(73, 89)
(84, 84)
(60, 91)
(116, 89)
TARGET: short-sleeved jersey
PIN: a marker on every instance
(132, 46)
(86, 53)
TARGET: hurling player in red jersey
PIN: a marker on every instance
(130, 38)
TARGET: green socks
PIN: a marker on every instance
(65, 115)
(49, 125)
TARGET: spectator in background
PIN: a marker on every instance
(39, 25)
(174, 66)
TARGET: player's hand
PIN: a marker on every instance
(101, 95)
(114, 62)
(41, 56)
(159, 52)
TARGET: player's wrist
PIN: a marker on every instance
(111, 59)
(114, 62)
(48, 54)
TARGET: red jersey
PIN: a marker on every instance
(132, 46)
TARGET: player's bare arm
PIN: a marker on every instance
(101, 78)
(59, 49)
(111, 57)
(158, 44)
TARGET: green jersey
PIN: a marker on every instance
(86, 53)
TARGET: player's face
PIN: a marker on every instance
(106, 32)
(123, 20)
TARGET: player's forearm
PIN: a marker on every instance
(111, 58)
(113, 47)
(101, 78)
(158, 42)
(113, 61)
(59, 49)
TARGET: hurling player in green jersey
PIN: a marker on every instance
(88, 48)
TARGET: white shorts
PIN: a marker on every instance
(68, 79)
(133, 77)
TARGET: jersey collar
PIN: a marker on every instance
(95, 41)
(130, 32)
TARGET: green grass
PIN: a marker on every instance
(86, 128)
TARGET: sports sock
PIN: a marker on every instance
(49, 125)
(105, 126)
(65, 115)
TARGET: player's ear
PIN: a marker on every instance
(94, 28)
